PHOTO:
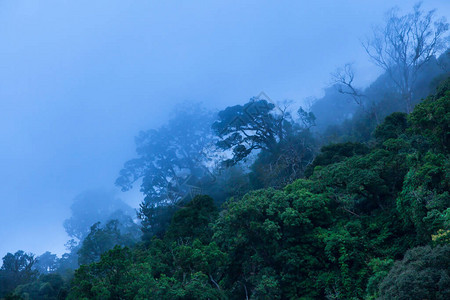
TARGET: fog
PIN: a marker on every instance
(80, 79)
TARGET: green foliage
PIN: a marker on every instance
(362, 183)
(101, 240)
(286, 163)
(191, 221)
(393, 127)
(269, 236)
(230, 182)
(335, 235)
(107, 279)
(380, 269)
(335, 153)
(424, 273)
(431, 118)
(185, 265)
(425, 195)
(47, 287)
(155, 219)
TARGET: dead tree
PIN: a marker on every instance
(405, 44)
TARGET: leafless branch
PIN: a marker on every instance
(405, 44)
(344, 77)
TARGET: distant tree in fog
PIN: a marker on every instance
(172, 160)
(170, 155)
(405, 44)
(91, 207)
(102, 239)
(343, 79)
(46, 263)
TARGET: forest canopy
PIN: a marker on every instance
(358, 226)
(346, 199)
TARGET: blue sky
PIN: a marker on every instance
(79, 79)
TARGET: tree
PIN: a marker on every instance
(256, 125)
(287, 163)
(101, 240)
(405, 44)
(183, 265)
(284, 147)
(431, 118)
(425, 195)
(111, 278)
(91, 207)
(170, 156)
(335, 235)
(47, 287)
(343, 79)
(191, 221)
(393, 126)
(172, 164)
(307, 118)
(155, 219)
(422, 274)
(17, 269)
(46, 263)
(269, 236)
(335, 153)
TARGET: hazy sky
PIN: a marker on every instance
(79, 79)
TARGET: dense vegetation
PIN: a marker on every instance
(259, 202)
(334, 235)
(369, 221)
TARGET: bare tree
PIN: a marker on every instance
(343, 78)
(405, 44)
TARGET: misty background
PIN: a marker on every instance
(78, 81)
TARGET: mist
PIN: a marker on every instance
(79, 80)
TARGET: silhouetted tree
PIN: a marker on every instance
(285, 147)
(256, 125)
